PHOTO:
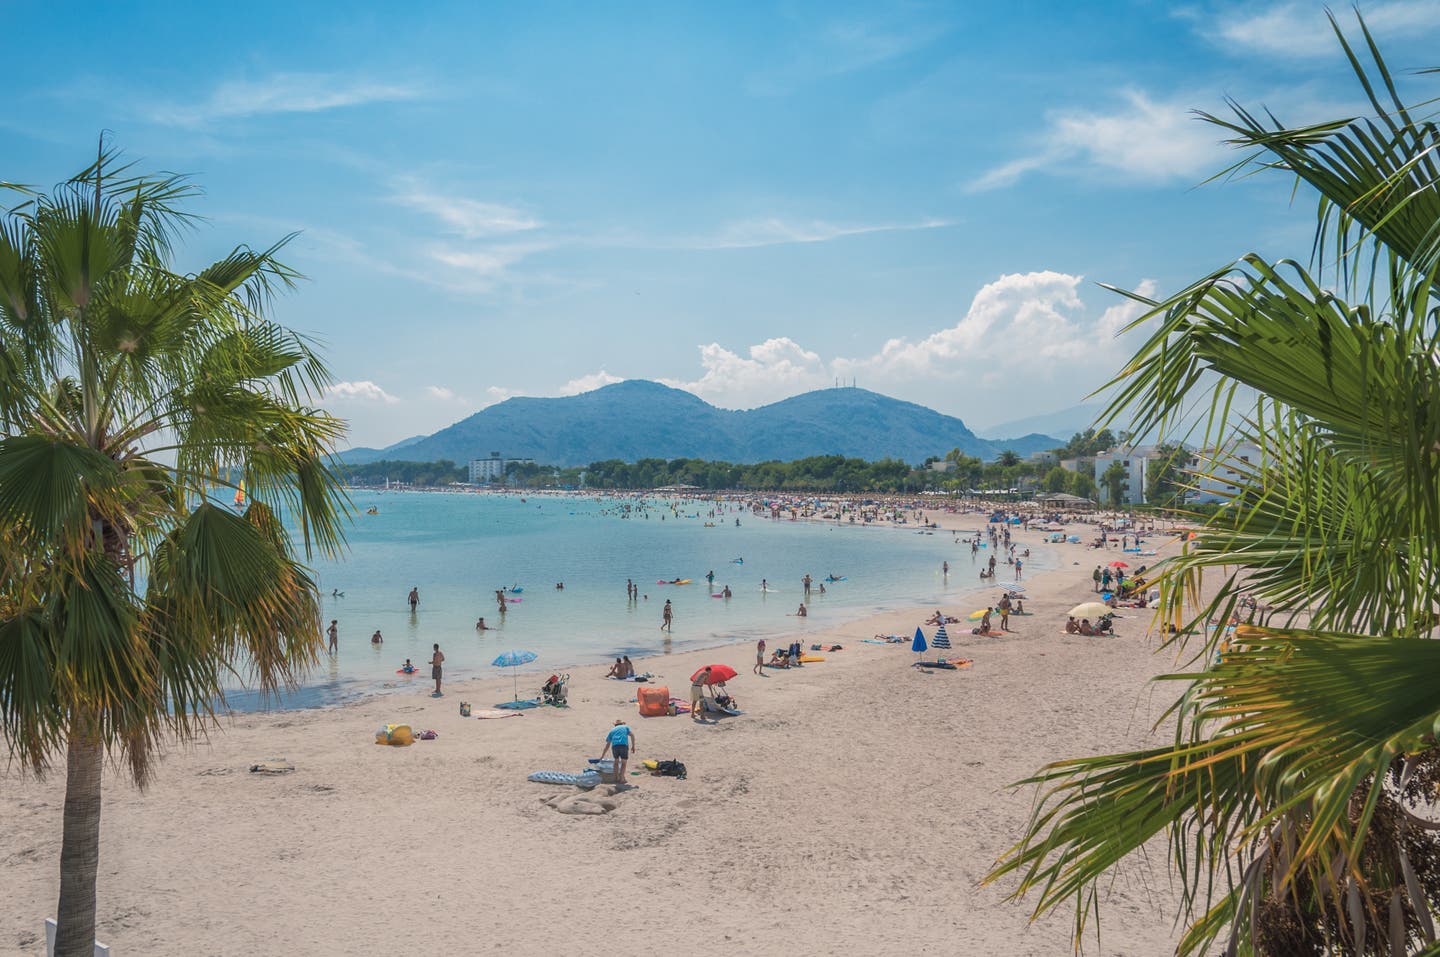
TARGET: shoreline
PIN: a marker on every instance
(1042, 553)
(868, 794)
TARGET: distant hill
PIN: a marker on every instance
(640, 419)
(1061, 424)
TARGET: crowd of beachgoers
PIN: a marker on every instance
(817, 780)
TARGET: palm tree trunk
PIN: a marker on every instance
(80, 846)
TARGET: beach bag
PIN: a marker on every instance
(464, 709)
(670, 769)
(654, 702)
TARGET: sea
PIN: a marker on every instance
(457, 549)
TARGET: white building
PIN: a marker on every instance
(1219, 473)
(493, 468)
(1134, 460)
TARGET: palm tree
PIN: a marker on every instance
(1298, 797)
(130, 394)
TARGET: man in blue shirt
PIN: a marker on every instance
(619, 740)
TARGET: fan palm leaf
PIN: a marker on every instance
(128, 393)
(1306, 742)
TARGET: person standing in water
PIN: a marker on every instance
(710, 578)
(333, 633)
(668, 615)
(806, 582)
(436, 661)
(414, 598)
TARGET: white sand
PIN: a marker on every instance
(853, 809)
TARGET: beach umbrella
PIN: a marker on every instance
(978, 614)
(1090, 609)
(719, 674)
(942, 639)
(1015, 587)
(514, 659)
(1119, 564)
(918, 645)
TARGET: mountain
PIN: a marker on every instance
(638, 419)
(1060, 424)
(360, 454)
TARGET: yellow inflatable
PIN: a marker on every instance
(395, 734)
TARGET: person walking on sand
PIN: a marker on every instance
(414, 598)
(619, 741)
(667, 616)
(436, 661)
(1095, 575)
(333, 633)
(760, 657)
(1019, 569)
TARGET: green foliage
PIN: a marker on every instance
(1304, 746)
(1165, 476)
(1057, 480)
(1087, 444)
(1113, 480)
(408, 473)
(130, 394)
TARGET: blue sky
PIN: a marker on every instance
(745, 200)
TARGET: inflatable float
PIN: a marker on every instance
(586, 779)
(806, 659)
(677, 581)
(832, 578)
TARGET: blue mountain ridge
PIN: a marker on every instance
(638, 419)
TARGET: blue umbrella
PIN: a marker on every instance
(918, 645)
(514, 659)
(942, 638)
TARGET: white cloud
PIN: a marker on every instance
(774, 231)
(772, 370)
(841, 47)
(1025, 332)
(1302, 30)
(469, 218)
(443, 394)
(1145, 139)
(588, 383)
(361, 391)
(284, 93)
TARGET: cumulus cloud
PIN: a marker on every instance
(284, 93)
(1143, 138)
(1031, 330)
(1302, 30)
(361, 391)
(772, 370)
(588, 383)
(443, 394)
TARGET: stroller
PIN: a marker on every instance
(554, 691)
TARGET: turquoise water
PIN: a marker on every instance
(458, 548)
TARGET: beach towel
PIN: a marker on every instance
(494, 713)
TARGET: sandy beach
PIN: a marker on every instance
(852, 809)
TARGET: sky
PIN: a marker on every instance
(744, 200)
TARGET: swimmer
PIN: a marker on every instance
(481, 626)
(376, 639)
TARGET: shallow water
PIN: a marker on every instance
(458, 548)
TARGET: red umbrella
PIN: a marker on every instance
(718, 674)
(1119, 564)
